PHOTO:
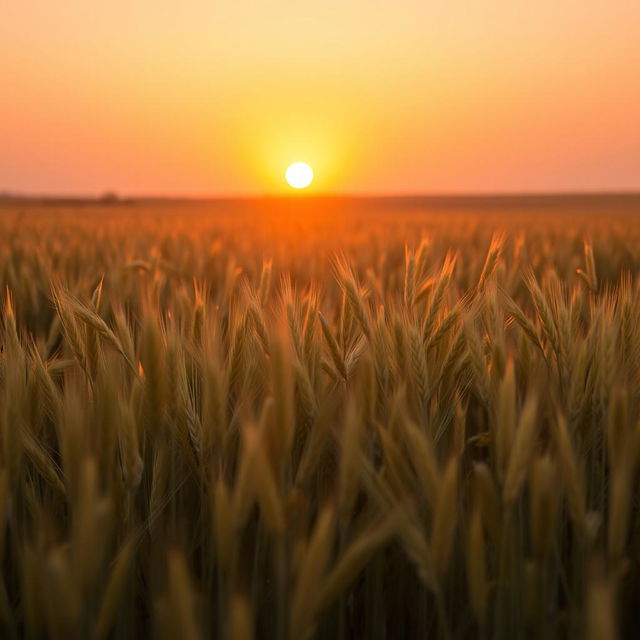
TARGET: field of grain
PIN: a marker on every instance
(298, 420)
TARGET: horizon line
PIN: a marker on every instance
(114, 196)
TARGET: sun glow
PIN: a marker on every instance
(299, 175)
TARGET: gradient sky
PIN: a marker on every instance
(218, 97)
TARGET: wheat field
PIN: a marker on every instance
(294, 423)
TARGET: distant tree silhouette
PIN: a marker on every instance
(109, 197)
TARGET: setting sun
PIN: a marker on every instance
(299, 175)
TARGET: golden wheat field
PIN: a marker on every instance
(320, 419)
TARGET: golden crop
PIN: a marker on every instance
(287, 425)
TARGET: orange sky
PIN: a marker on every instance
(213, 97)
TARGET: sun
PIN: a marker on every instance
(299, 175)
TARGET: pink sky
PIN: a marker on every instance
(202, 97)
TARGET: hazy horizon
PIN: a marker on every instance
(116, 196)
(504, 199)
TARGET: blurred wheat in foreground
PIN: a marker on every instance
(433, 433)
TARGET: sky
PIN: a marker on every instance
(380, 97)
